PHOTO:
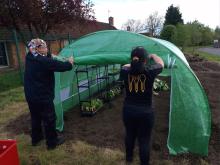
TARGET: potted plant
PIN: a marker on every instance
(90, 108)
(112, 93)
(159, 85)
(114, 71)
(117, 90)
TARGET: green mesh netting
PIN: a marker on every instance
(189, 119)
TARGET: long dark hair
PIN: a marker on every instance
(138, 57)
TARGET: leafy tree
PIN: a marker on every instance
(207, 36)
(191, 34)
(182, 37)
(40, 16)
(200, 34)
(173, 16)
(194, 30)
(168, 33)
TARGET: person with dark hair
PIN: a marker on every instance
(39, 86)
(138, 114)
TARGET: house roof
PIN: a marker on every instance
(76, 29)
(73, 30)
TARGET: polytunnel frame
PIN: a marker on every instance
(171, 48)
(194, 76)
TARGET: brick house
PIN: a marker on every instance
(56, 40)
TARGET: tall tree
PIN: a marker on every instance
(168, 33)
(173, 16)
(182, 37)
(194, 29)
(133, 25)
(40, 16)
(207, 36)
(153, 24)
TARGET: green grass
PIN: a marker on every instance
(70, 153)
(11, 96)
(11, 89)
(10, 80)
(207, 56)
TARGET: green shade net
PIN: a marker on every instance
(189, 119)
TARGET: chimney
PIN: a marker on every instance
(128, 28)
(111, 21)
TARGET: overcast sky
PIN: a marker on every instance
(205, 11)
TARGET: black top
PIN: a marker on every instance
(39, 78)
(139, 87)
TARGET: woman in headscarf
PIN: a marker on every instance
(39, 86)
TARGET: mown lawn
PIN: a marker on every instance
(11, 89)
(10, 80)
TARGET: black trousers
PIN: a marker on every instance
(138, 122)
(43, 113)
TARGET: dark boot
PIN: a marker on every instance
(59, 141)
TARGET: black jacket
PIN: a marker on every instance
(39, 81)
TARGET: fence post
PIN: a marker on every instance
(18, 55)
(69, 38)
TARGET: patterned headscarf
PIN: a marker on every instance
(36, 43)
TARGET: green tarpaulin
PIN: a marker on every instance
(189, 119)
